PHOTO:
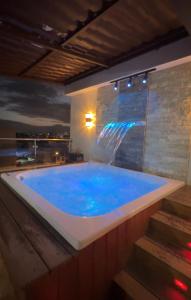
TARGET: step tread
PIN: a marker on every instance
(165, 255)
(172, 221)
(181, 196)
(132, 287)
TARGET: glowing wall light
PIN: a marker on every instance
(89, 118)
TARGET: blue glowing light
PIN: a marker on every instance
(116, 125)
(145, 79)
(90, 189)
(129, 83)
(115, 86)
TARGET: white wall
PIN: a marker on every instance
(103, 103)
(83, 138)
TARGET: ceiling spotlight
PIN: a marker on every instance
(129, 82)
(145, 78)
(115, 86)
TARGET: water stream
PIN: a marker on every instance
(113, 134)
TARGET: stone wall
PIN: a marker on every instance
(169, 122)
(163, 147)
(132, 103)
(106, 112)
(124, 105)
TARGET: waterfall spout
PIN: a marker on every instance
(112, 135)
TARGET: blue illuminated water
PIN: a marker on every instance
(90, 189)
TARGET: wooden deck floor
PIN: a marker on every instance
(30, 248)
(6, 287)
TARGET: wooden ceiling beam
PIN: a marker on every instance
(91, 17)
(183, 10)
(157, 43)
(81, 27)
(23, 72)
(30, 40)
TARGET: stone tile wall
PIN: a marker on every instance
(132, 103)
(161, 147)
(167, 142)
(125, 105)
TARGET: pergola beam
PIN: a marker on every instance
(172, 36)
(183, 11)
(92, 16)
(34, 41)
(71, 35)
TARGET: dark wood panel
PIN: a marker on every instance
(49, 249)
(100, 269)
(23, 262)
(85, 273)
(60, 284)
(68, 280)
(43, 288)
(112, 248)
(123, 245)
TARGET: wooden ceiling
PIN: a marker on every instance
(64, 40)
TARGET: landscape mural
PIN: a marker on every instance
(31, 106)
(32, 109)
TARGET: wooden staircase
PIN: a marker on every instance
(160, 266)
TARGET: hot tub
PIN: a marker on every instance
(85, 201)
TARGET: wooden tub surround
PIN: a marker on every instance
(42, 265)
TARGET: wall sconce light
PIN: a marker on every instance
(89, 120)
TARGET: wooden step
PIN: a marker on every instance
(132, 287)
(170, 230)
(164, 256)
(176, 208)
(179, 203)
(182, 196)
(157, 267)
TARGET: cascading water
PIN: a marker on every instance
(113, 134)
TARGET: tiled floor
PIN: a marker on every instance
(6, 289)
